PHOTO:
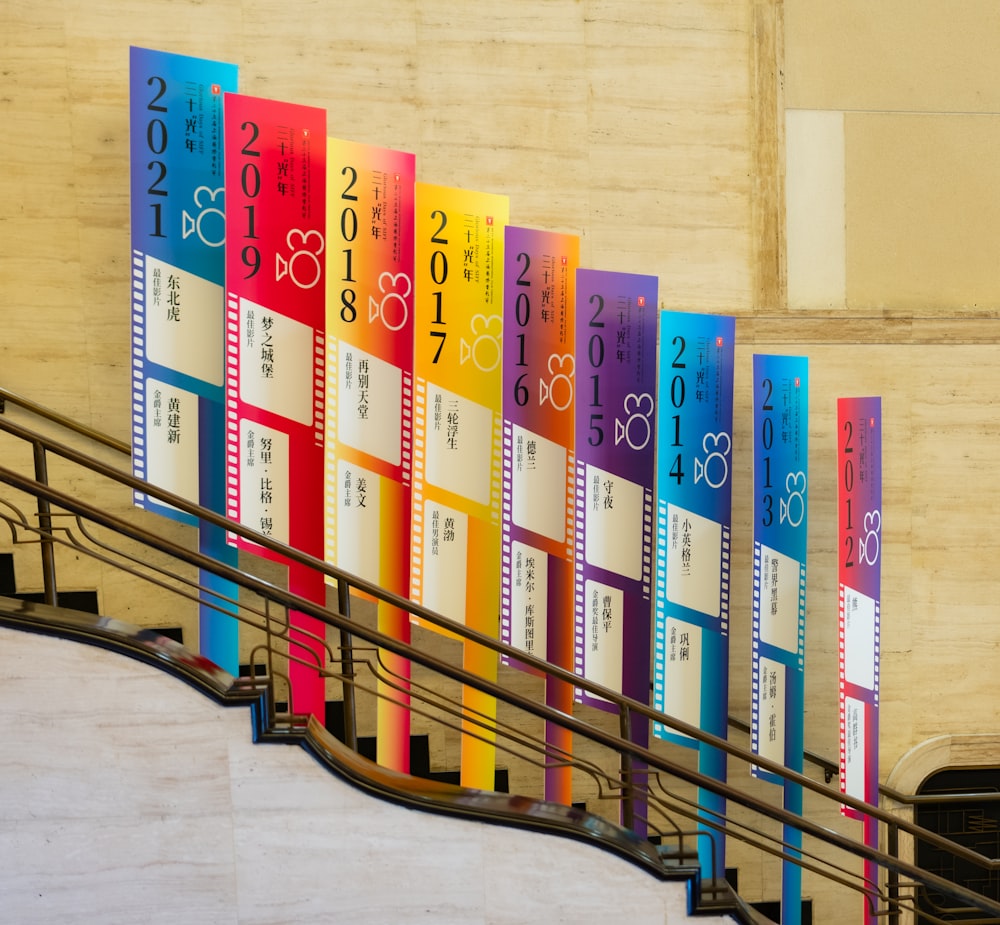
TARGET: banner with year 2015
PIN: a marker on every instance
(178, 271)
(859, 429)
(369, 420)
(457, 471)
(781, 448)
(616, 328)
(275, 346)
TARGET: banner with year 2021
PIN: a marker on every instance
(275, 348)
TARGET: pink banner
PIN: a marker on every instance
(275, 345)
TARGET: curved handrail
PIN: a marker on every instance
(51, 496)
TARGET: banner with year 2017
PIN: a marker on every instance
(616, 329)
(536, 610)
(457, 471)
(275, 347)
(178, 271)
(369, 420)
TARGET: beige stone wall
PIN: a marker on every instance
(656, 131)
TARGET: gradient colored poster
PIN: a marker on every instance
(780, 477)
(178, 270)
(455, 568)
(536, 609)
(275, 347)
(694, 504)
(616, 329)
(369, 391)
(859, 505)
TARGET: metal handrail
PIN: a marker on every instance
(626, 706)
(6, 395)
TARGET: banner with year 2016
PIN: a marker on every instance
(536, 611)
(178, 271)
(275, 347)
(616, 329)
(694, 502)
(457, 471)
(369, 420)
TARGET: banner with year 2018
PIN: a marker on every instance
(536, 608)
(275, 346)
(616, 329)
(457, 471)
(369, 420)
(178, 271)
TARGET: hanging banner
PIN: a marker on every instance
(455, 560)
(859, 504)
(536, 608)
(781, 468)
(616, 332)
(275, 347)
(369, 391)
(178, 271)
(694, 502)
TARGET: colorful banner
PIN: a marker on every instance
(455, 569)
(536, 607)
(781, 468)
(275, 347)
(694, 502)
(369, 391)
(178, 271)
(859, 504)
(616, 332)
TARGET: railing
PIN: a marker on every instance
(662, 800)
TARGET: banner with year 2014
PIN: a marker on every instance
(780, 466)
(369, 421)
(616, 328)
(694, 501)
(859, 429)
(275, 347)
(178, 273)
(457, 471)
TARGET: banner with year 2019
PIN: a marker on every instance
(616, 328)
(457, 471)
(275, 346)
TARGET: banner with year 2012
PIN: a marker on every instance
(369, 421)
(457, 471)
(616, 329)
(275, 347)
(859, 429)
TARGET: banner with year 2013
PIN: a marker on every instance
(457, 471)
(275, 347)
(616, 329)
